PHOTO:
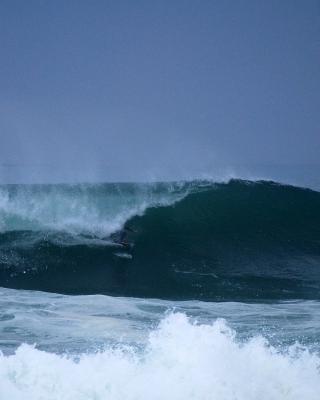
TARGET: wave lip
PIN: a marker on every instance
(97, 209)
(181, 361)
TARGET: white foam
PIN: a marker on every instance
(181, 361)
(93, 209)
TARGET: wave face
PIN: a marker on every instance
(229, 241)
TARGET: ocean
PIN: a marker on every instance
(181, 290)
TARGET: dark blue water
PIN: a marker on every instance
(214, 296)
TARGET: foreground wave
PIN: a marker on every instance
(230, 241)
(182, 360)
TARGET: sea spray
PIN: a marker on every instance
(97, 209)
(182, 360)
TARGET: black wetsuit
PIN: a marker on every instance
(123, 237)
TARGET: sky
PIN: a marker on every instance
(142, 90)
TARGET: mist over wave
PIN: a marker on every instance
(302, 175)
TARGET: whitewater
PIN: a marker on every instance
(219, 298)
(98, 347)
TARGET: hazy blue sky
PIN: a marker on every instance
(140, 89)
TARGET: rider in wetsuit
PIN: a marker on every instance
(123, 236)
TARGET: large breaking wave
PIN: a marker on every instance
(226, 241)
